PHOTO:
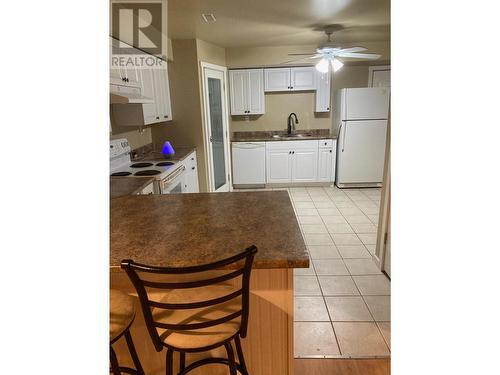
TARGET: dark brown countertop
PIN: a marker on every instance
(190, 229)
(313, 134)
(180, 154)
(120, 186)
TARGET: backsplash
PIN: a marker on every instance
(278, 107)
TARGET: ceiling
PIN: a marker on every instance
(245, 23)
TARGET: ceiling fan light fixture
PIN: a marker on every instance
(336, 64)
(322, 65)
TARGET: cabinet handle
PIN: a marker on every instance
(157, 117)
(327, 108)
(291, 87)
(165, 116)
(192, 158)
(290, 152)
(330, 151)
(293, 152)
(124, 79)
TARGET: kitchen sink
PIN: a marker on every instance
(279, 136)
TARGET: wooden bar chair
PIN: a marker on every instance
(191, 313)
(121, 317)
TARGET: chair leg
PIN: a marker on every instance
(182, 361)
(114, 362)
(169, 364)
(239, 351)
(133, 353)
(230, 358)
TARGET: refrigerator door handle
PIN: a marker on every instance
(343, 135)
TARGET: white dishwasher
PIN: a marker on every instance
(249, 163)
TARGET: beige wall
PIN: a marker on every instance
(280, 105)
(135, 138)
(187, 128)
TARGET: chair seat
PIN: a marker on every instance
(121, 313)
(199, 338)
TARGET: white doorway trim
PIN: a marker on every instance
(206, 130)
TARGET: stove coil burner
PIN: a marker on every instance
(121, 174)
(147, 172)
(141, 165)
(165, 164)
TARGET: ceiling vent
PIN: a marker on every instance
(208, 17)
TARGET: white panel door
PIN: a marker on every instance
(255, 80)
(150, 110)
(238, 91)
(361, 152)
(304, 165)
(322, 91)
(278, 166)
(325, 164)
(302, 78)
(162, 91)
(277, 79)
(368, 103)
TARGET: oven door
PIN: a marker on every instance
(173, 183)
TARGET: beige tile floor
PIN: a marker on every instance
(342, 301)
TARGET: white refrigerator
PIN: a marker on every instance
(361, 122)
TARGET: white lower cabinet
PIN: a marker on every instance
(190, 179)
(291, 161)
(300, 161)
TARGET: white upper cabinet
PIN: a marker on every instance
(289, 79)
(150, 110)
(238, 91)
(246, 89)
(302, 78)
(153, 83)
(322, 92)
(162, 94)
(277, 79)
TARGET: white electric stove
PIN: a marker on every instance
(168, 174)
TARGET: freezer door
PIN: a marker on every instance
(361, 152)
(370, 103)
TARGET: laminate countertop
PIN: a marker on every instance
(179, 230)
(121, 186)
(180, 154)
(266, 136)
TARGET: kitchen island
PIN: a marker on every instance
(192, 229)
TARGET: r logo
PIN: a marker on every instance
(138, 24)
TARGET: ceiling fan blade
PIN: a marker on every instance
(369, 56)
(301, 54)
(302, 59)
(352, 49)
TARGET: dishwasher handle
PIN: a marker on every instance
(248, 145)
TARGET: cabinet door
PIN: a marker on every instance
(278, 166)
(302, 78)
(190, 182)
(322, 91)
(305, 165)
(132, 75)
(149, 110)
(162, 94)
(255, 80)
(238, 91)
(334, 160)
(277, 79)
(325, 164)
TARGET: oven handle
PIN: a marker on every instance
(171, 177)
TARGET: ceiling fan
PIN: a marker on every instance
(329, 53)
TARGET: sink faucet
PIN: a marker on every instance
(290, 123)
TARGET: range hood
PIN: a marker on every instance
(125, 95)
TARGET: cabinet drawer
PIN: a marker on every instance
(291, 145)
(325, 143)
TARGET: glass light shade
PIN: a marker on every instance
(336, 64)
(167, 149)
(322, 66)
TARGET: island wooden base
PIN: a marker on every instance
(268, 347)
